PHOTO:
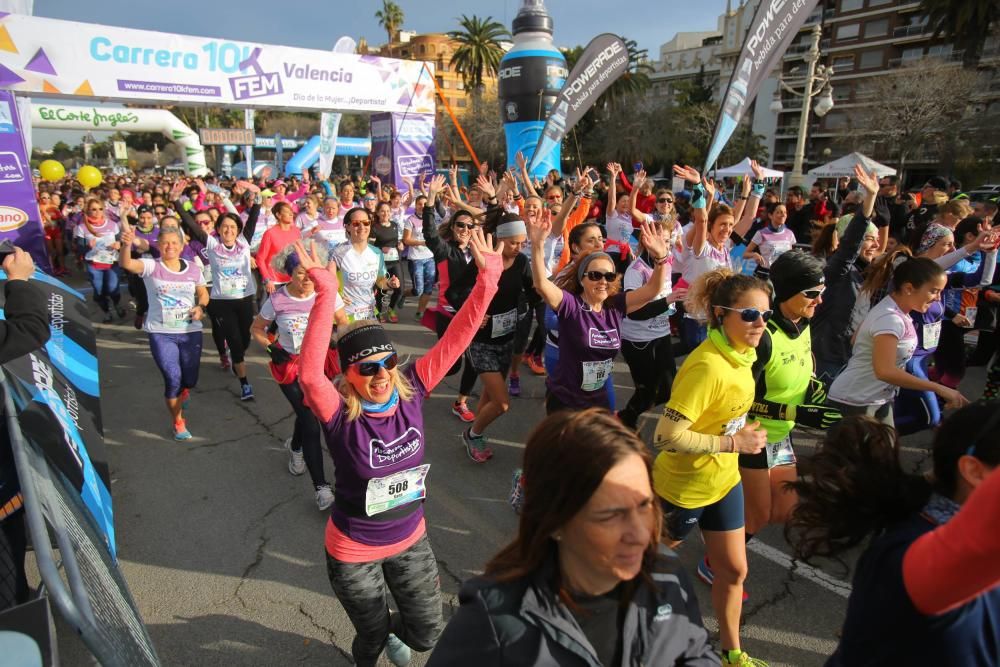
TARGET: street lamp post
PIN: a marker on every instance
(816, 82)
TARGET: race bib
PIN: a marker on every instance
(401, 488)
(176, 318)
(234, 284)
(596, 373)
(932, 334)
(733, 426)
(970, 314)
(504, 323)
(780, 453)
(391, 255)
(102, 253)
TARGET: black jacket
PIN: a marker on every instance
(831, 326)
(25, 328)
(523, 623)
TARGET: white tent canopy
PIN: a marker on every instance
(844, 166)
(743, 169)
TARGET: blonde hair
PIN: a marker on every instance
(352, 401)
(719, 287)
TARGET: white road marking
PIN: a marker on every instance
(830, 583)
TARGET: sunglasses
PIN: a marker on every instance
(465, 225)
(750, 315)
(359, 223)
(371, 368)
(553, 197)
(665, 200)
(597, 275)
(813, 293)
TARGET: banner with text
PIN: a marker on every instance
(20, 220)
(602, 62)
(402, 147)
(772, 29)
(56, 391)
(49, 56)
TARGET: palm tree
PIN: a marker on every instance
(968, 22)
(479, 52)
(635, 80)
(390, 17)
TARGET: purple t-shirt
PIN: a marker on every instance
(372, 448)
(588, 344)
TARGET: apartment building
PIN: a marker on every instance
(862, 40)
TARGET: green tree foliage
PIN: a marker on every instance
(967, 22)
(479, 52)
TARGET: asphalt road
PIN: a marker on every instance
(223, 549)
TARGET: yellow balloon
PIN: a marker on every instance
(51, 170)
(89, 177)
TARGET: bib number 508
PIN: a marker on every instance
(399, 488)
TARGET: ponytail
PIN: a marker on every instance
(879, 272)
(720, 287)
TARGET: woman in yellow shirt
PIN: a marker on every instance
(703, 430)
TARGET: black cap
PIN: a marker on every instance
(532, 17)
(793, 272)
(144, 208)
(937, 182)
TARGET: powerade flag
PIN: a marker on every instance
(773, 27)
(529, 79)
(56, 392)
(602, 62)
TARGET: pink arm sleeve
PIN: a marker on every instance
(319, 393)
(299, 194)
(431, 368)
(199, 202)
(958, 561)
(264, 254)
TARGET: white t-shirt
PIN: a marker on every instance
(773, 244)
(416, 227)
(232, 277)
(106, 236)
(358, 273)
(330, 230)
(172, 295)
(638, 274)
(291, 314)
(619, 227)
(857, 384)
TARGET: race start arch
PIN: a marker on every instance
(60, 117)
(46, 58)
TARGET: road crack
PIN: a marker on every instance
(263, 540)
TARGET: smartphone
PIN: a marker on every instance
(6, 248)
(637, 167)
(593, 175)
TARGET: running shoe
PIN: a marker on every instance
(419, 316)
(246, 392)
(705, 573)
(475, 446)
(324, 497)
(462, 411)
(108, 317)
(517, 490)
(535, 364)
(383, 318)
(393, 317)
(180, 430)
(224, 362)
(185, 397)
(397, 652)
(737, 657)
(514, 385)
(137, 322)
(296, 461)
(121, 312)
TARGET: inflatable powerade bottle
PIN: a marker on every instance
(531, 75)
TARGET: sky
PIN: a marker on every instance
(316, 24)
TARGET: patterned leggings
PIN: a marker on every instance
(412, 578)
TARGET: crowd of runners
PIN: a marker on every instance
(845, 311)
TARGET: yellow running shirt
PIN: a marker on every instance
(714, 389)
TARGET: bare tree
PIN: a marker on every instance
(912, 110)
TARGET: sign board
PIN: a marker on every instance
(20, 219)
(44, 56)
(220, 136)
(121, 150)
(402, 147)
(286, 142)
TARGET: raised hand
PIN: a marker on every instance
(539, 229)
(486, 186)
(869, 181)
(758, 171)
(436, 184)
(308, 259)
(521, 162)
(639, 178)
(709, 185)
(481, 246)
(689, 174)
(656, 246)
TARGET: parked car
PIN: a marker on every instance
(985, 192)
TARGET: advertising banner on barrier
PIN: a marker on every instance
(57, 395)
(601, 63)
(772, 29)
(40, 55)
(402, 147)
(20, 220)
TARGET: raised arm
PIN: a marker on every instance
(522, 166)
(432, 367)
(756, 191)
(538, 231)
(192, 228)
(319, 393)
(656, 247)
(633, 197)
(615, 170)
(251, 224)
(431, 238)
